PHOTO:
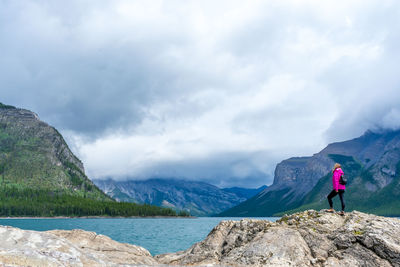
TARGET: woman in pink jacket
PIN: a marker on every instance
(337, 188)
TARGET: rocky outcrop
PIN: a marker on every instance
(66, 248)
(309, 238)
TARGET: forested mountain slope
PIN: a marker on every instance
(40, 176)
(370, 161)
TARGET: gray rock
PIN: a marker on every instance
(309, 238)
(66, 248)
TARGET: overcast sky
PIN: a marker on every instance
(219, 91)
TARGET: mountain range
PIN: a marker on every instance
(198, 198)
(40, 176)
(371, 163)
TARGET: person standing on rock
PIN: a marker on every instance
(338, 188)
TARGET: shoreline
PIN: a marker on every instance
(248, 242)
(102, 217)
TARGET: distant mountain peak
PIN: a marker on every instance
(372, 162)
(197, 197)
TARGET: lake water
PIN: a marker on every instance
(158, 235)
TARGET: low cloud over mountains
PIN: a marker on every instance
(199, 90)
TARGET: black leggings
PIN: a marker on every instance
(333, 194)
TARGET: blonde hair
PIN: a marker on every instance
(337, 165)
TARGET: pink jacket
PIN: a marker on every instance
(335, 179)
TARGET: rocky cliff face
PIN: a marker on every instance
(308, 238)
(198, 198)
(26, 124)
(370, 149)
(378, 153)
(301, 174)
(34, 155)
(371, 161)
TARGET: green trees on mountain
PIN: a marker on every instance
(18, 201)
(40, 176)
(3, 106)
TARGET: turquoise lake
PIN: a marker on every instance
(158, 235)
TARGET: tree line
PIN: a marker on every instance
(47, 203)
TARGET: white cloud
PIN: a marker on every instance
(219, 91)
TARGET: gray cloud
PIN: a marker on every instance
(223, 170)
(191, 89)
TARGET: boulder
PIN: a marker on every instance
(66, 248)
